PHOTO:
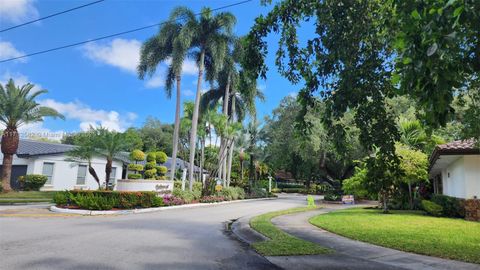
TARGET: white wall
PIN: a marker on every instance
(65, 172)
(461, 178)
(472, 176)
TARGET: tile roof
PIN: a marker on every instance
(461, 147)
(34, 148)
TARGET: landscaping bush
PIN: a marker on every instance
(162, 170)
(294, 190)
(150, 174)
(137, 155)
(472, 209)
(197, 186)
(135, 167)
(172, 200)
(289, 185)
(161, 157)
(32, 181)
(187, 195)
(232, 193)
(452, 207)
(212, 199)
(105, 200)
(151, 157)
(333, 196)
(134, 176)
(257, 193)
(150, 165)
(276, 190)
(432, 208)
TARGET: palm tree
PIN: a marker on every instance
(412, 134)
(108, 144)
(85, 152)
(209, 36)
(18, 107)
(167, 46)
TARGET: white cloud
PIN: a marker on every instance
(155, 82)
(121, 53)
(293, 94)
(17, 11)
(7, 50)
(91, 117)
(19, 80)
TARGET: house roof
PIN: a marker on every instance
(461, 147)
(34, 148)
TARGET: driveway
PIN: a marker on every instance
(177, 239)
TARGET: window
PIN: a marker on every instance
(81, 174)
(48, 172)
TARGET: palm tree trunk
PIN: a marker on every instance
(202, 159)
(93, 173)
(223, 141)
(108, 171)
(193, 134)
(9, 147)
(230, 155)
(176, 131)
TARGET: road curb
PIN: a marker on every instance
(54, 208)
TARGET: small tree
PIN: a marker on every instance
(414, 165)
(136, 155)
(150, 166)
(161, 158)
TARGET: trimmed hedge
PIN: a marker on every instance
(452, 207)
(135, 167)
(294, 190)
(290, 185)
(134, 176)
(106, 200)
(32, 181)
(432, 208)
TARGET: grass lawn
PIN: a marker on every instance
(281, 243)
(26, 196)
(411, 231)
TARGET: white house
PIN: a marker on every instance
(50, 159)
(455, 169)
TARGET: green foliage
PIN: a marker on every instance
(232, 193)
(135, 167)
(61, 198)
(197, 186)
(414, 165)
(151, 157)
(355, 185)
(150, 165)
(187, 195)
(257, 193)
(137, 155)
(332, 196)
(134, 176)
(162, 170)
(160, 157)
(106, 200)
(32, 181)
(150, 174)
(452, 207)
(432, 208)
(294, 190)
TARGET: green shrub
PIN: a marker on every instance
(432, 208)
(162, 170)
(232, 193)
(1, 187)
(150, 165)
(134, 176)
(187, 195)
(452, 207)
(151, 157)
(276, 190)
(257, 193)
(289, 185)
(197, 186)
(137, 155)
(161, 177)
(135, 167)
(150, 174)
(60, 198)
(333, 196)
(32, 181)
(105, 200)
(294, 190)
(161, 157)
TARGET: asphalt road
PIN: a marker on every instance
(176, 239)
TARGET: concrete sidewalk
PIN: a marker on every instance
(349, 254)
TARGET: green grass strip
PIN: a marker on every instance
(282, 243)
(410, 231)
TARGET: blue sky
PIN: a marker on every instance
(96, 83)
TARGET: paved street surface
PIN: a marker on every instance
(176, 239)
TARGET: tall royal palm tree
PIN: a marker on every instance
(170, 47)
(209, 36)
(18, 107)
